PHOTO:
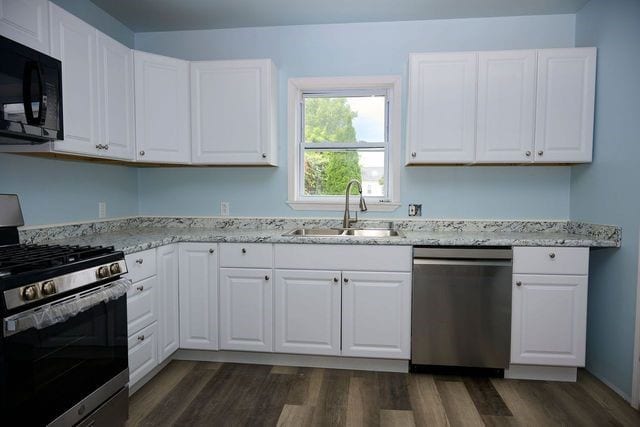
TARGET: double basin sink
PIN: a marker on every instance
(345, 232)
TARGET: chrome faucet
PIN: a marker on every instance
(347, 221)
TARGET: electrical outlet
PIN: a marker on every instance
(102, 209)
(224, 208)
(415, 210)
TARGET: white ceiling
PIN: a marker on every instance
(169, 15)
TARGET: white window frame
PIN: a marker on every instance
(297, 87)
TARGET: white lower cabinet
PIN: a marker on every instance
(142, 304)
(549, 320)
(143, 353)
(198, 296)
(168, 313)
(376, 314)
(307, 312)
(246, 309)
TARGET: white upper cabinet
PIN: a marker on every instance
(198, 296)
(376, 314)
(565, 105)
(162, 109)
(115, 92)
(442, 107)
(549, 320)
(27, 22)
(74, 43)
(506, 106)
(233, 112)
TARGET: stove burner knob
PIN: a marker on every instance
(48, 288)
(115, 268)
(30, 293)
(103, 272)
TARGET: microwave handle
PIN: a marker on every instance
(26, 94)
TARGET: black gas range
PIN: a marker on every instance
(63, 349)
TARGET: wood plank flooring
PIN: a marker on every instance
(228, 394)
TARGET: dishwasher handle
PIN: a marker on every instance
(470, 262)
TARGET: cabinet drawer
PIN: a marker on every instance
(141, 265)
(252, 255)
(143, 353)
(141, 305)
(551, 260)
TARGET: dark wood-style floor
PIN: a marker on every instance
(211, 394)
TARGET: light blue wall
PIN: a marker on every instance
(607, 190)
(361, 49)
(55, 191)
(89, 12)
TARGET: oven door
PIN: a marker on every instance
(30, 95)
(47, 372)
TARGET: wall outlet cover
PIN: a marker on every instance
(224, 208)
(102, 209)
(415, 209)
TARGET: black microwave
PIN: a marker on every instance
(30, 95)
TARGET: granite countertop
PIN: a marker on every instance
(137, 239)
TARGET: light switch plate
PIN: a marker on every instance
(102, 209)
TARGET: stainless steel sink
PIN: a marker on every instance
(344, 232)
(316, 232)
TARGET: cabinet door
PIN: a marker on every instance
(115, 69)
(442, 107)
(565, 105)
(233, 112)
(143, 353)
(168, 319)
(506, 106)
(198, 296)
(74, 42)
(246, 309)
(307, 307)
(376, 315)
(27, 22)
(549, 320)
(162, 109)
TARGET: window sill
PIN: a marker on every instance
(339, 206)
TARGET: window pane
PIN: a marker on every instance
(326, 173)
(345, 119)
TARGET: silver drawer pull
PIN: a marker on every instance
(335, 280)
(139, 261)
(518, 283)
(140, 337)
(266, 277)
(244, 251)
(140, 288)
(210, 251)
(552, 255)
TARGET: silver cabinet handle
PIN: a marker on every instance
(106, 147)
(414, 154)
(211, 251)
(99, 146)
(540, 153)
(140, 337)
(528, 153)
(335, 280)
(140, 288)
(552, 255)
(518, 283)
(244, 251)
(264, 155)
(345, 280)
(266, 277)
(139, 261)
(142, 153)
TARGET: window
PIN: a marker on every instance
(342, 129)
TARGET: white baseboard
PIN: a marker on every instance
(334, 362)
(544, 373)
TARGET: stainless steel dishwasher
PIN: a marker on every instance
(461, 309)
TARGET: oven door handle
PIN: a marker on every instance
(59, 311)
